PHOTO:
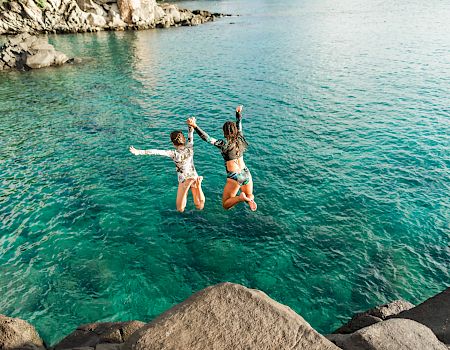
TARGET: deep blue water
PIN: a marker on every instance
(347, 110)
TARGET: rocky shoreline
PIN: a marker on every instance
(231, 316)
(26, 18)
(25, 52)
(78, 16)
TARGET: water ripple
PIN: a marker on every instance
(349, 149)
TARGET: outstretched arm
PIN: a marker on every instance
(190, 142)
(239, 118)
(150, 152)
(203, 135)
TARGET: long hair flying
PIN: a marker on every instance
(234, 137)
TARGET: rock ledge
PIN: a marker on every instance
(24, 52)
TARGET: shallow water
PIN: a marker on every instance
(347, 112)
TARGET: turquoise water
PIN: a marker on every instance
(347, 109)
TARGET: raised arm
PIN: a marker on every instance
(190, 142)
(151, 152)
(239, 118)
(203, 135)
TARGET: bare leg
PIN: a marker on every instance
(183, 189)
(247, 190)
(229, 198)
(197, 193)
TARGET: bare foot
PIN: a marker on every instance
(251, 203)
(243, 197)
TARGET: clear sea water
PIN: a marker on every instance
(347, 110)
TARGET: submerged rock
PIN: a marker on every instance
(104, 335)
(393, 334)
(433, 313)
(18, 334)
(29, 52)
(228, 316)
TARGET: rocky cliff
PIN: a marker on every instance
(231, 316)
(72, 16)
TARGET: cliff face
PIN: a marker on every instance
(71, 16)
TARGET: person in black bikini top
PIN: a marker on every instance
(232, 148)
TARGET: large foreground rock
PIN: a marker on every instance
(18, 334)
(393, 334)
(93, 334)
(374, 315)
(228, 316)
(433, 313)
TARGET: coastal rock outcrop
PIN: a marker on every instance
(18, 334)
(231, 316)
(228, 316)
(99, 335)
(393, 334)
(433, 313)
(25, 52)
(374, 315)
(71, 16)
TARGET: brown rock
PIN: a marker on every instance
(91, 7)
(357, 322)
(390, 309)
(42, 59)
(228, 316)
(433, 313)
(18, 334)
(90, 335)
(107, 346)
(125, 10)
(373, 316)
(60, 58)
(393, 334)
(39, 46)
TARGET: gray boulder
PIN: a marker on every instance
(374, 315)
(357, 322)
(228, 316)
(433, 313)
(96, 21)
(390, 309)
(29, 52)
(91, 7)
(96, 334)
(393, 334)
(41, 59)
(18, 334)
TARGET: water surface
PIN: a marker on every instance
(347, 113)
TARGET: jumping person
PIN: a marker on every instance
(232, 149)
(183, 156)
